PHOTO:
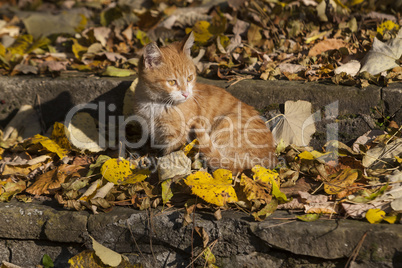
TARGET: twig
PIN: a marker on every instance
(192, 236)
(212, 245)
(135, 241)
(266, 122)
(356, 251)
(318, 188)
(399, 129)
(150, 233)
(282, 223)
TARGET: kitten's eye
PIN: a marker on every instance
(172, 82)
(190, 78)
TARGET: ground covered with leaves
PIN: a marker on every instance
(346, 42)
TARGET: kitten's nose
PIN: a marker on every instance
(185, 94)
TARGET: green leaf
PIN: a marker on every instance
(266, 211)
(47, 261)
(143, 37)
(166, 191)
(117, 72)
(309, 217)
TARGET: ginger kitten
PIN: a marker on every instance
(174, 108)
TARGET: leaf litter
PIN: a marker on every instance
(234, 40)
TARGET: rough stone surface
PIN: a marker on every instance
(159, 239)
(34, 221)
(392, 97)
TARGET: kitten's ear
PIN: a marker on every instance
(187, 43)
(152, 56)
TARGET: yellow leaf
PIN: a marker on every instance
(356, 2)
(215, 190)
(60, 137)
(201, 31)
(187, 149)
(138, 175)
(78, 49)
(142, 36)
(11, 189)
(375, 215)
(116, 170)
(209, 257)
(310, 155)
(2, 50)
(265, 175)
(387, 25)
(341, 181)
(390, 219)
(255, 191)
(49, 145)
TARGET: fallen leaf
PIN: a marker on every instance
(117, 72)
(174, 165)
(382, 154)
(166, 191)
(340, 182)
(10, 189)
(383, 56)
(325, 45)
(116, 170)
(201, 32)
(375, 215)
(296, 126)
(83, 133)
(267, 210)
(217, 190)
(49, 145)
(309, 217)
(106, 255)
(350, 68)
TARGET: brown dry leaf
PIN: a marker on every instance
(203, 234)
(325, 45)
(20, 170)
(52, 180)
(321, 208)
(292, 205)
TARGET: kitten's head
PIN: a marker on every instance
(169, 72)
